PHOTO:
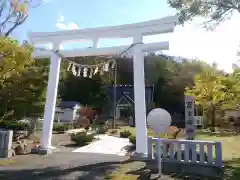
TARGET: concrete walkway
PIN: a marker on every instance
(107, 145)
(61, 166)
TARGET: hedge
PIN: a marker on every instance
(82, 138)
(13, 125)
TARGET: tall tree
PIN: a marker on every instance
(213, 91)
(23, 94)
(14, 13)
(215, 11)
(14, 58)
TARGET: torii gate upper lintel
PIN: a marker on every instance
(135, 31)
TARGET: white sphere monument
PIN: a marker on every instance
(159, 120)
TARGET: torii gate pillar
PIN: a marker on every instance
(139, 97)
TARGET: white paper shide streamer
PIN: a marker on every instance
(90, 70)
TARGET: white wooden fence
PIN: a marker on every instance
(207, 153)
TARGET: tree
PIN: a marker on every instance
(14, 13)
(215, 11)
(170, 76)
(213, 91)
(14, 58)
(23, 94)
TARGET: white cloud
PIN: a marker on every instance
(219, 45)
(61, 24)
(192, 41)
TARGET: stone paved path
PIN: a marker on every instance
(107, 145)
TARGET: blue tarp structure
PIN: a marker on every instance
(125, 94)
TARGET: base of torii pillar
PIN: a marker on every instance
(43, 151)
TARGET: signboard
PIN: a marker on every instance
(159, 120)
(190, 123)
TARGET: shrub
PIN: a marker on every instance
(87, 128)
(82, 122)
(132, 139)
(13, 125)
(82, 138)
(173, 132)
(89, 113)
(60, 128)
(125, 134)
(102, 130)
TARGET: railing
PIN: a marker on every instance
(186, 151)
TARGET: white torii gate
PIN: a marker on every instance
(135, 31)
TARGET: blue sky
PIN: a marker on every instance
(189, 41)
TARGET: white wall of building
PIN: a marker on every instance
(66, 114)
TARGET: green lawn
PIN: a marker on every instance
(230, 145)
(133, 131)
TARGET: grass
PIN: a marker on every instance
(127, 171)
(7, 162)
(230, 146)
(133, 131)
(230, 152)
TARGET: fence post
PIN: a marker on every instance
(6, 143)
(150, 148)
(159, 156)
(218, 151)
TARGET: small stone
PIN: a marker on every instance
(22, 148)
(13, 152)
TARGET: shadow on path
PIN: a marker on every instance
(87, 172)
(84, 166)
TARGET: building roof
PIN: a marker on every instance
(68, 104)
